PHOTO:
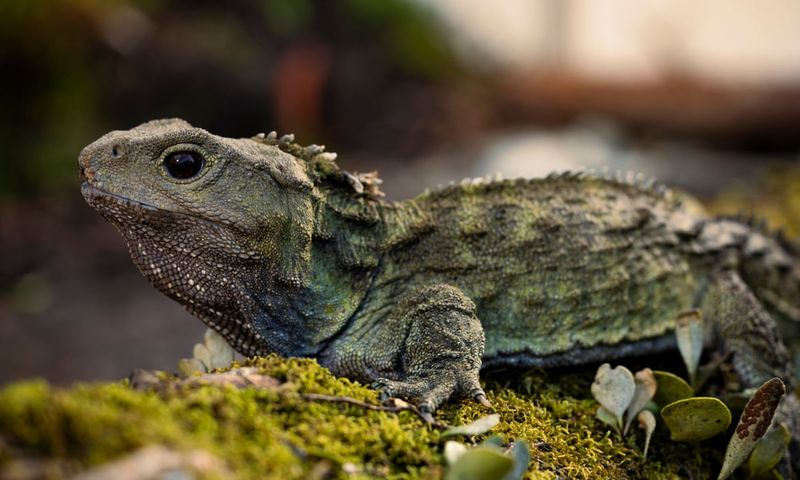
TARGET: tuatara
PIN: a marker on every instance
(275, 247)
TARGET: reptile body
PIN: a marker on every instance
(275, 247)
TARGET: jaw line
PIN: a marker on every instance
(92, 193)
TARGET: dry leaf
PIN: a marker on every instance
(644, 392)
(689, 333)
(647, 422)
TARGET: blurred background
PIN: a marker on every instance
(704, 96)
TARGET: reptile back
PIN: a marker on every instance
(555, 264)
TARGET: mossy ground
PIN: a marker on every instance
(275, 433)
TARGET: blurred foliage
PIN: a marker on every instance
(775, 199)
(74, 69)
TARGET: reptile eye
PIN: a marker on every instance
(183, 165)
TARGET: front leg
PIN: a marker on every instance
(427, 350)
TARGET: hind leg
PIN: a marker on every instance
(747, 330)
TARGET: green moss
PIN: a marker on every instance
(276, 433)
(557, 418)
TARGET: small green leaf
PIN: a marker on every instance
(480, 463)
(521, 455)
(689, 333)
(645, 389)
(695, 419)
(453, 451)
(769, 451)
(670, 388)
(607, 417)
(613, 388)
(220, 353)
(653, 407)
(190, 366)
(647, 422)
(479, 426)
(753, 424)
(201, 354)
(494, 441)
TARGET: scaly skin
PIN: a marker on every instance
(276, 248)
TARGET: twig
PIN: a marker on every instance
(246, 377)
(426, 417)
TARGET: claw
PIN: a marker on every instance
(426, 414)
(481, 398)
(428, 417)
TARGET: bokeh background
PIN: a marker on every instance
(701, 95)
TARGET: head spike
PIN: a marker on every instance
(314, 149)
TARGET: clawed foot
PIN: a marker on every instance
(430, 391)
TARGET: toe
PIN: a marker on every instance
(399, 389)
(435, 396)
(470, 386)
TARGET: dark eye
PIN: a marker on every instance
(183, 165)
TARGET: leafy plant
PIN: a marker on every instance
(487, 461)
(644, 392)
(753, 424)
(690, 418)
(614, 389)
(647, 422)
(479, 426)
(670, 388)
(689, 333)
(768, 452)
(213, 353)
(619, 391)
(695, 419)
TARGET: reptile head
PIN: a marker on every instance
(201, 213)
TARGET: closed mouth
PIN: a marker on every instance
(100, 200)
(93, 193)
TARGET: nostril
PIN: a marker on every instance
(116, 151)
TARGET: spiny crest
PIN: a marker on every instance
(322, 165)
(761, 225)
(633, 180)
(629, 180)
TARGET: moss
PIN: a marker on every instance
(278, 434)
(555, 414)
(255, 431)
